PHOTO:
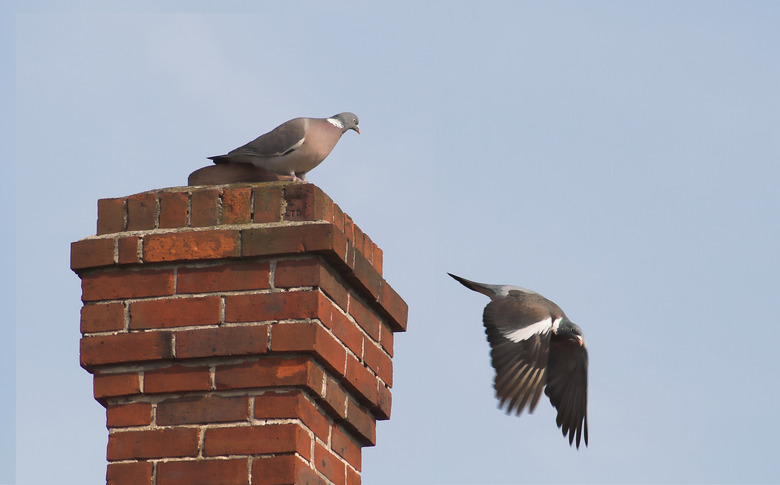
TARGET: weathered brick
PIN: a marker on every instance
(127, 250)
(203, 472)
(307, 238)
(255, 440)
(394, 307)
(378, 259)
(292, 273)
(191, 245)
(202, 409)
(152, 443)
(123, 283)
(205, 207)
(223, 341)
(177, 378)
(353, 477)
(236, 205)
(346, 447)
(111, 215)
(311, 338)
(327, 464)
(133, 473)
(382, 410)
(113, 385)
(361, 423)
(386, 338)
(102, 317)
(125, 348)
(91, 253)
(173, 209)
(176, 312)
(334, 398)
(292, 404)
(141, 211)
(307, 202)
(344, 329)
(232, 276)
(361, 380)
(378, 361)
(365, 317)
(261, 307)
(270, 372)
(132, 414)
(283, 470)
(369, 280)
(268, 203)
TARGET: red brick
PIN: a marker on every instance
(153, 443)
(123, 283)
(173, 209)
(394, 307)
(127, 250)
(311, 338)
(346, 447)
(370, 281)
(338, 217)
(361, 423)
(255, 440)
(125, 348)
(177, 378)
(294, 273)
(102, 317)
(364, 317)
(349, 229)
(293, 404)
(327, 464)
(135, 473)
(141, 211)
(386, 338)
(111, 216)
(270, 372)
(307, 202)
(378, 361)
(242, 275)
(91, 253)
(260, 307)
(191, 245)
(237, 205)
(334, 398)
(222, 341)
(205, 210)
(361, 380)
(202, 409)
(344, 329)
(307, 238)
(175, 312)
(132, 414)
(113, 385)
(378, 257)
(283, 470)
(353, 477)
(203, 472)
(382, 410)
(268, 203)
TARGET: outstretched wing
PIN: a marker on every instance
(519, 335)
(567, 387)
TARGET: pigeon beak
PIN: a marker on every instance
(579, 339)
(357, 128)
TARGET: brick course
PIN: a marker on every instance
(237, 334)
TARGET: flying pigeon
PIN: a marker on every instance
(294, 147)
(533, 345)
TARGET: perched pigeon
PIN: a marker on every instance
(294, 147)
(534, 344)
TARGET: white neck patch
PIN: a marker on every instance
(557, 323)
(542, 326)
(338, 124)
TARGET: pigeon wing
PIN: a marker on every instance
(567, 387)
(284, 139)
(519, 335)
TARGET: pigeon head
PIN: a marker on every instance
(348, 121)
(569, 330)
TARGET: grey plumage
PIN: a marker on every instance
(295, 147)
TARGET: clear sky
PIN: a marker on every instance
(621, 158)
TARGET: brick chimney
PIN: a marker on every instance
(237, 334)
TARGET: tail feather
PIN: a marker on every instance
(490, 291)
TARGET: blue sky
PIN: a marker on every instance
(621, 158)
